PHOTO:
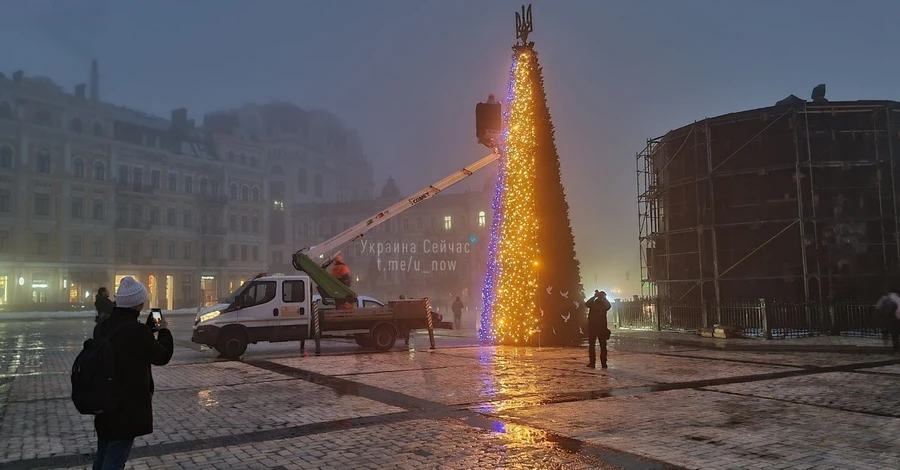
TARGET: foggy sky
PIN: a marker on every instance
(406, 75)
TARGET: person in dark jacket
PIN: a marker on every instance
(598, 305)
(889, 309)
(103, 305)
(457, 308)
(135, 350)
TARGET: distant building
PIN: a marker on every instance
(437, 249)
(310, 158)
(91, 192)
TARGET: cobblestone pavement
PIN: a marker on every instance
(662, 404)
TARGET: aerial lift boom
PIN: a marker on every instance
(314, 260)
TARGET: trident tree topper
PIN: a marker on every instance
(524, 25)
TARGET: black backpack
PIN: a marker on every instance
(95, 389)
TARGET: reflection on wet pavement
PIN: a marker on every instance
(465, 406)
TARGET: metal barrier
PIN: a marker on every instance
(317, 326)
(764, 318)
(429, 316)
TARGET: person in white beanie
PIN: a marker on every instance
(136, 349)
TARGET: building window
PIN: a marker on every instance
(214, 188)
(255, 252)
(187, 250)
(418, 223)
(317, 185)
(5, 202)
(243, 252)
(154, 249)
(97, 210)
(245, 193)
(41, 204)
(121, 214)
(76, 245)
(120, 249)
(187, 219)
(42, 118)
(138, 179)
(255, 194)
(170, 217)
(173, 182)
(188, 184)
(98, 246)
(405, 225)
(98, 129)
(4, 242)
(482, 219)
(232, 252)
(234, 191)
(99, 171)
(76, 126)
(77, 208)
(303, 181)
(5, 111)
(123, 174)
(232, 222)
(78, 168)
(6, 158)
(255, 224)
(42, 243)
(136, 215)
(43, 162)
(245, 226)
(204, 186)
(154, 216)
(170, 250)
(154, 179)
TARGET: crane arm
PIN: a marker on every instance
(326, 251)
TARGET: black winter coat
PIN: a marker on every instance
(598, 306)
(104, 307)
(136, 349)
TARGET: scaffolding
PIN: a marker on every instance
(795, 202)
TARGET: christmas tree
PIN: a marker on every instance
(532, 291)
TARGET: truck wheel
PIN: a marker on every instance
(233, 344)
(363, 340)
(384, 337)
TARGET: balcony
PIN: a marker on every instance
(210, 230)
(131, 188)
(213, 199)
(133, 225)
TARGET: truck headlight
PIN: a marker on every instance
(208, 316)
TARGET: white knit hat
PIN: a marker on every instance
(131, 293)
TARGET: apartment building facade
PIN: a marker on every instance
(91, 192)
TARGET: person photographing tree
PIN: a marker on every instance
(598, 305)
(134, 349)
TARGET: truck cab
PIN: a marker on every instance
(268, 308)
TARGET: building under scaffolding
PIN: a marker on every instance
(795, 202)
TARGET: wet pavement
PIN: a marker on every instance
(666, 402)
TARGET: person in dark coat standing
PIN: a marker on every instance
(135, 350)
(598, 305)
(889, 308)
(457, 308)
(103, 305)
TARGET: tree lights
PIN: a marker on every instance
(532, 288)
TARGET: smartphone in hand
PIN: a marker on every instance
(155, 319)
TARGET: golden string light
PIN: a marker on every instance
(514, 299)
